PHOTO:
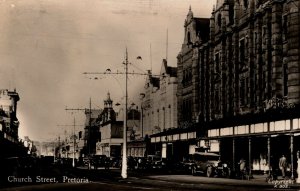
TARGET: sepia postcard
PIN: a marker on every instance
(149, 95)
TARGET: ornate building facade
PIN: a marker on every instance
(239, 82)
(10, 144)
(254, 81)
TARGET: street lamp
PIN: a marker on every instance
(73, 163)
(108, 71)
(124, 157)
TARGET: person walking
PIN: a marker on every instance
(282, 165)
(242, 165)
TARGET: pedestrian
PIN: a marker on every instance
(242, 165)
(282, 165)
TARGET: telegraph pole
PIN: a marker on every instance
(124, 158)
(90, 124)
(74, 139)
(126, 73)
(73, 163)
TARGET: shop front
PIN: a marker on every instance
(136, 148)
(176, 146)
(109, 149)
(261, 144)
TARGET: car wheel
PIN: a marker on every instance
(209, 171)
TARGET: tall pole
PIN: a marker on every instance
(124, 157)
(89, 134)
(73, 164)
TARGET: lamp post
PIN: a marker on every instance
(108, 72)
(124, 157)
(73, 163)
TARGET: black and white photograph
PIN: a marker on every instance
(154, 95)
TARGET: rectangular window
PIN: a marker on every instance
(217, 63)
(284, 27)
(242, 91)
(285, 79)
(242, 50)
(217, 101)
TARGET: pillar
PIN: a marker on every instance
(269, 155)
(250, 166)
(233, 154)
(292, 156)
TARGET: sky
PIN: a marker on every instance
(47, 45)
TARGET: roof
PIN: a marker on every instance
(154, 81)
(172, 71)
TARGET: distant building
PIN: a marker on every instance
(91, 131)
(110, 142)
(8, 114)
(45, 148)
(111, 131)
(10, 145)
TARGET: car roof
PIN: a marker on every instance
(206, 154)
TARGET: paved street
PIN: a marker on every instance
(102, 179)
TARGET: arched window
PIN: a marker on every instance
(246, 4)
(285, 77)
(189, 38)
(219, 21)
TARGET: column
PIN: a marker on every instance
(292, 156)
(250, 165)
(277, 49)
(233, 154)
(269, 155)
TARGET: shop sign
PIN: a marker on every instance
(277, 103)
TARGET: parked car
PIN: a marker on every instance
(208, 164)
(155, 162)
(100, 161)
(86, 161)
(115, 162)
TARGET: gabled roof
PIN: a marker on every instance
(154, 81)
(172, 71)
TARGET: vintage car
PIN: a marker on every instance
(208, 164)
(155, 162)
(100, 161)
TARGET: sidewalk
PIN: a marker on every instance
(257, 181)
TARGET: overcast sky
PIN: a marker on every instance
(46, 45)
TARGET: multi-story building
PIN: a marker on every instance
(9, 125)
(91, 131)
(239, 83)
(253, 80)
(111, 131)
(181, 141)
(159, 109)
(8, 114)
(111, 126)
